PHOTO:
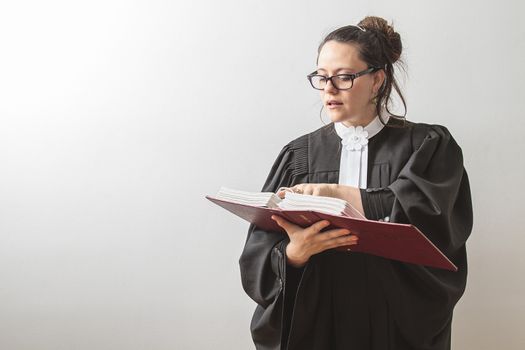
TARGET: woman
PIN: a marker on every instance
(311, 296)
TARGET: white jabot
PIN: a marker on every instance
(354, 154)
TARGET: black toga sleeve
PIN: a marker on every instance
(262, 262)
(431, 192)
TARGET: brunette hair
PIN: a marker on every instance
(379, 46)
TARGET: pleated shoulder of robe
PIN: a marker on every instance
(350, 300)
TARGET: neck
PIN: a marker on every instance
(359, 120)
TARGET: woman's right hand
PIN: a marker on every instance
(305, 242)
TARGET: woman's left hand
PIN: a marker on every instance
(349, 193)
(325, 190)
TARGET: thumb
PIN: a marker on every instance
(289, 227)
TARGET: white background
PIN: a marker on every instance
(118, 117)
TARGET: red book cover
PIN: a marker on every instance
(403, 242)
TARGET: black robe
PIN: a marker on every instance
(351, 300)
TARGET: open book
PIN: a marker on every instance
(291, 201)
(391, 240)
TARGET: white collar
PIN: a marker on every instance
(372, 128)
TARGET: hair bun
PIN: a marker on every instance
(387, 35)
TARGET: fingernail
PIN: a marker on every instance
(273, 217)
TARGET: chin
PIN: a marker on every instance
(339, 118)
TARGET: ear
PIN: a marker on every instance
(379, 78)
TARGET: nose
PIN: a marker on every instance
(329, 87)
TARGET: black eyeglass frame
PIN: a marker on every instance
(352, 77)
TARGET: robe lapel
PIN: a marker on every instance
(324, 155)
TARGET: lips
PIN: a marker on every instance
(332, 104)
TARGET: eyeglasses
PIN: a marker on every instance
(339, 81)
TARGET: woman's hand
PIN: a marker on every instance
(305, 242)
(322, 189)
(349, 193)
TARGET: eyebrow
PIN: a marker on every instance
(337, 70)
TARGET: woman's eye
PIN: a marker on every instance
(345, 77)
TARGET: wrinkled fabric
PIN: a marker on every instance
(342, 300)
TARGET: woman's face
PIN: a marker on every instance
(356, 107)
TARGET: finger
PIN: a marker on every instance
(298, 189)
(341, 241)
(287, 225)
(327, 235)
(281, 192)
(282, 188)
(317, 227)
(308, 189)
